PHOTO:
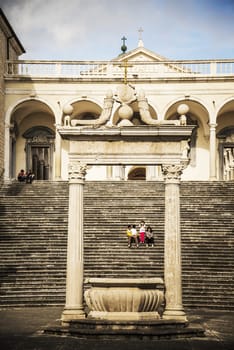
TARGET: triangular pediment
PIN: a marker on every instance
(141, 54)
(139, 63)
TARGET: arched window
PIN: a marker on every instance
(138, 173)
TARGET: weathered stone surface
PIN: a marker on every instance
(124, 299)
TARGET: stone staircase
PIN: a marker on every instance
(33, 233)
(207, 228)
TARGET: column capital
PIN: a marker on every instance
(213, 125)
(172, 172)
(77, 170)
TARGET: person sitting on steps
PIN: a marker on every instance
(29, 176)
(135, 235)
(129, 235)
(142, 229)
(149, 237)
(21, 176)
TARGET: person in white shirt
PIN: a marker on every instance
(135, 235)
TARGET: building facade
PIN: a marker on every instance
(137, 89)
(10, 48)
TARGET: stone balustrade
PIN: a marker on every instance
(114, 69)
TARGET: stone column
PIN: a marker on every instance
(57, 155)
(7, 153)
(74, 308)
(172, 244)
(213, 151)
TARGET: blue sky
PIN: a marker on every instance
(92, 29)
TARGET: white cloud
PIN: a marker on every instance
(92, 29)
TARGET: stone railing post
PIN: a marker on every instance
(109, 172)
(74, 308)
(172, 244)
(119, 172)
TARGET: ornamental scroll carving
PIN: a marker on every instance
(77, 171)
(129, 299)
(172, 172)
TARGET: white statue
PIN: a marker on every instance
(144, 110)
(145, 113)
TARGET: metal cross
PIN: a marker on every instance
(125, 71)
(124, 47)
(124, 39)
(125, 65)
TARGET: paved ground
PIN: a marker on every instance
(21, 329)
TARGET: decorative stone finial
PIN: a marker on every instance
(182, 110)
(68, 109)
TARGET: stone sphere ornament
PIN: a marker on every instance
(68, 109)
(125, 112)
(183, 109)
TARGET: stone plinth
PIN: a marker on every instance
(125, 299)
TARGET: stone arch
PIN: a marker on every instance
(18, 103)
(137, 173)
(21, 116)
(197, 109)
(225, 115)
(197, 115)
(227, 133)
(84, 109)
(226, 106)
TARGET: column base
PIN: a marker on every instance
(124, 316)
(178, 315)
(212, 178)
(70, 314)
(58, 178)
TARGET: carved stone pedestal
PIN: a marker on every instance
(124, 299)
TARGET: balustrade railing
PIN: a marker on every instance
(115, 69)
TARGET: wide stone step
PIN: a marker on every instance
(33, 242)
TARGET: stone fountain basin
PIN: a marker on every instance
(125, 298)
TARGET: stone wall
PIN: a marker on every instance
(10, 48)
(2, 62)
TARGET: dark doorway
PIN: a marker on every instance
(39, 151)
